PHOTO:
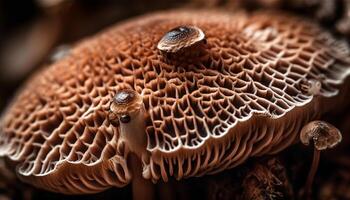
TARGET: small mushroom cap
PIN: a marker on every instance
(238, 99)
(179, 38)
(311, 87)
(126, 101)
(323, 134)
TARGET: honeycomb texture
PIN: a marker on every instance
(240, 96)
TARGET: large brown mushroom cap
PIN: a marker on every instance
(239, 97)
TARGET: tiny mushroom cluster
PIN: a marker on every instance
(114, 111)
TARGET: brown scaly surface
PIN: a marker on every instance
(239, 97)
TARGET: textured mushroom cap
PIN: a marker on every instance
(179, 38)
(125, 101)
(323, 134)
(239, 97)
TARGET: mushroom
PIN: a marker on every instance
(127, 107)
(80, 125)
(324, 136)
(311, 87)
(180, 38)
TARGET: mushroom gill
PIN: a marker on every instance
(242, 95)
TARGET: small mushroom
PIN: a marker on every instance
(127, 107)
(180, 38)
(324, 136)
(311, 87)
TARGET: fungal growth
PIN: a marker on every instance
(311, 87)
(81, 124)
(127, 107)
(180, 38)
(324, 136)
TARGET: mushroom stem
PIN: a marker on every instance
(312, 173)
(141, 188)
(133, 133)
